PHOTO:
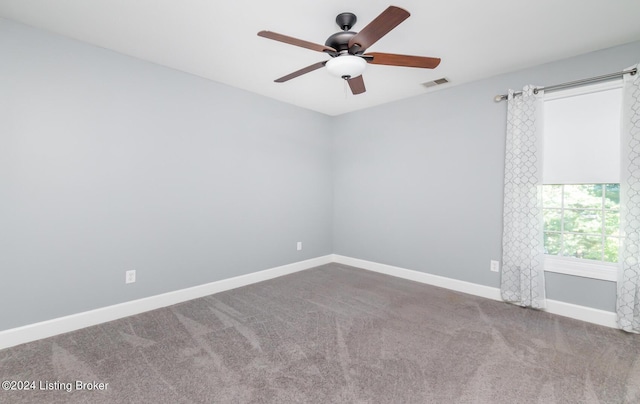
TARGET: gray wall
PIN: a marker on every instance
(109, 163)
(418, 183)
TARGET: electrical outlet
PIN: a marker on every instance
(299, 245)
(130, 276)
(495, 266)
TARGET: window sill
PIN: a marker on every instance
(584, 268)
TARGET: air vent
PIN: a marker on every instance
(436, 82)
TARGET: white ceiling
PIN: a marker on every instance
(217, 39)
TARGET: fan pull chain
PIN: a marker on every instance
(346, 91)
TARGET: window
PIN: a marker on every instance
(582, 221)
(581, 195)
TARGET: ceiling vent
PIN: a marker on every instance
(436, 82)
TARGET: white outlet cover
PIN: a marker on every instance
(495, 266)
(299, 245)
(130, 276)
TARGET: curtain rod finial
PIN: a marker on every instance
(499, 98)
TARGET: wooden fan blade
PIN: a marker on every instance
(295, 41)
(391, 59)
(379, 27)
(300, 72)
(357, 85)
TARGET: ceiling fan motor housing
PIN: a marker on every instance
(340, 40)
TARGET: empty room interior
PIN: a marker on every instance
(417, 202)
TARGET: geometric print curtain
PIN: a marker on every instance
(628, 298)
(522, 277)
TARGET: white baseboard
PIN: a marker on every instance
(583, 313)
(49, 328)
(422, 277)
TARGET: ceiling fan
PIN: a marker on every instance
(347, 48)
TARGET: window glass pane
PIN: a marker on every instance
(552, 196)
(612, 196)
(552, 243)
(612, 222)
(552, 219)
(583, 221)
(583, 246)
(583, 196)
(611, 247)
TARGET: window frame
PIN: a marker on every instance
(585, 268)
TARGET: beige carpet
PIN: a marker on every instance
(333, 334)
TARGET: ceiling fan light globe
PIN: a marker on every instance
(346, 66)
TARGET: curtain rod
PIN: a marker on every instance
(596, 79)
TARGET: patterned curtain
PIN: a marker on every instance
(628, 302)
(522, 280)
